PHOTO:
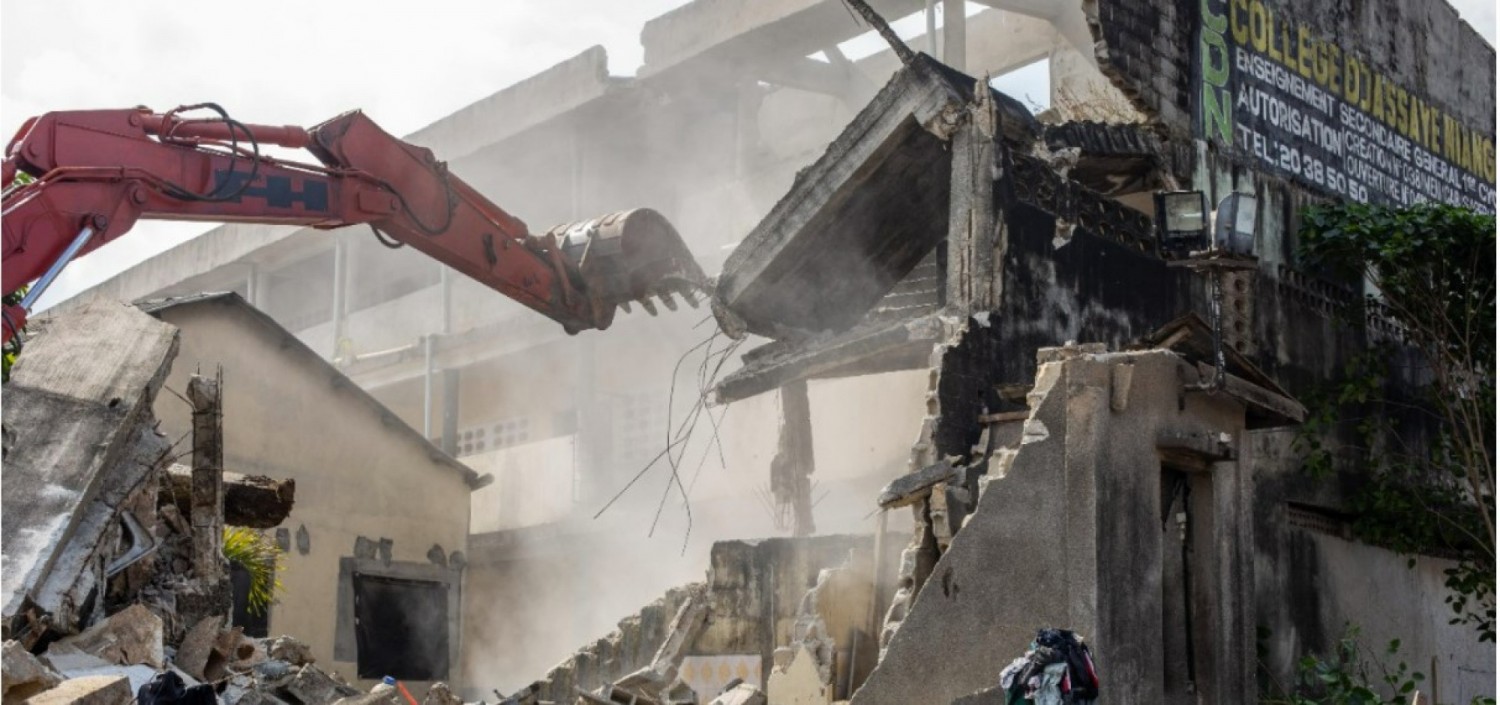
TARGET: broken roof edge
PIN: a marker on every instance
(289, 342)
(934, 97)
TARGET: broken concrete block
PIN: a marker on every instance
(741, 694)
(910, 488)
(64, 658)
(255, 501)
(256, 697)
(229, 646)
(311, 685)
(389, 697)
(137, 675)
(23, 675)
(197, 646)
(273, 673)
(79, 408)
(800, 683)
(285, 648)
(130, 636)
(90, 690)
(440, 694)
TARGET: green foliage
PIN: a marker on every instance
(1433, 263)
(1349, 676)
(13, 348)
(1428, 460)
(261, 558)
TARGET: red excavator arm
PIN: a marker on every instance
(98, 171)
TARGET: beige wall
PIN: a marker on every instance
(286, 416)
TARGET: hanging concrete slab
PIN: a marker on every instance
(865, 213)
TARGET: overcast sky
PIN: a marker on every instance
(284, 62)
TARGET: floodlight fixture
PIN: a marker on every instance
(1235, 224)
(1182, 222)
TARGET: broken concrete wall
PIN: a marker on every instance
(1068, 533)
(360, 472)
(80, 446)
(1313, 580)
(756, 595)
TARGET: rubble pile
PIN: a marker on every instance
(114, 574)
(110, 663)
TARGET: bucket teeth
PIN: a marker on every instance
(689, 297)
(625, 306)
(646, 304)
(667, 300)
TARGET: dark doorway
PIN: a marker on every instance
(401, 628)
(1188, 615)
(256, 625)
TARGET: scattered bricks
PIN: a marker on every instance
(90, 690)
(133, 635)
(23, 675)
(311, 686)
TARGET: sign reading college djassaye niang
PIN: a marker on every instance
(1303, 106)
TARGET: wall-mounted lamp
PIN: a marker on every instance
(1234, 224)
(1182, 226)
(1182, 222)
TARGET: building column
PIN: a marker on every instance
(792, 468)
(955, 26)
(972, 281)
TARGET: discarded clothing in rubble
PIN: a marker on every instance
(1058, 669)
(167, 688)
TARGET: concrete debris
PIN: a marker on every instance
(285, 648)
(78, 410)
(253, 501)
(311, 685)
(654, 683)
(125, 638)
(914, 487)
(136, 676)
(740, 694)
(23, 675)
(89, 690)
(197, 647)
(799, 682)
(440, 694)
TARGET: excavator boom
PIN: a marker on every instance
(99, 171)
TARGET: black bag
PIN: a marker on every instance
(167, 688)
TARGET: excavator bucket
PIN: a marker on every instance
(631, 257)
